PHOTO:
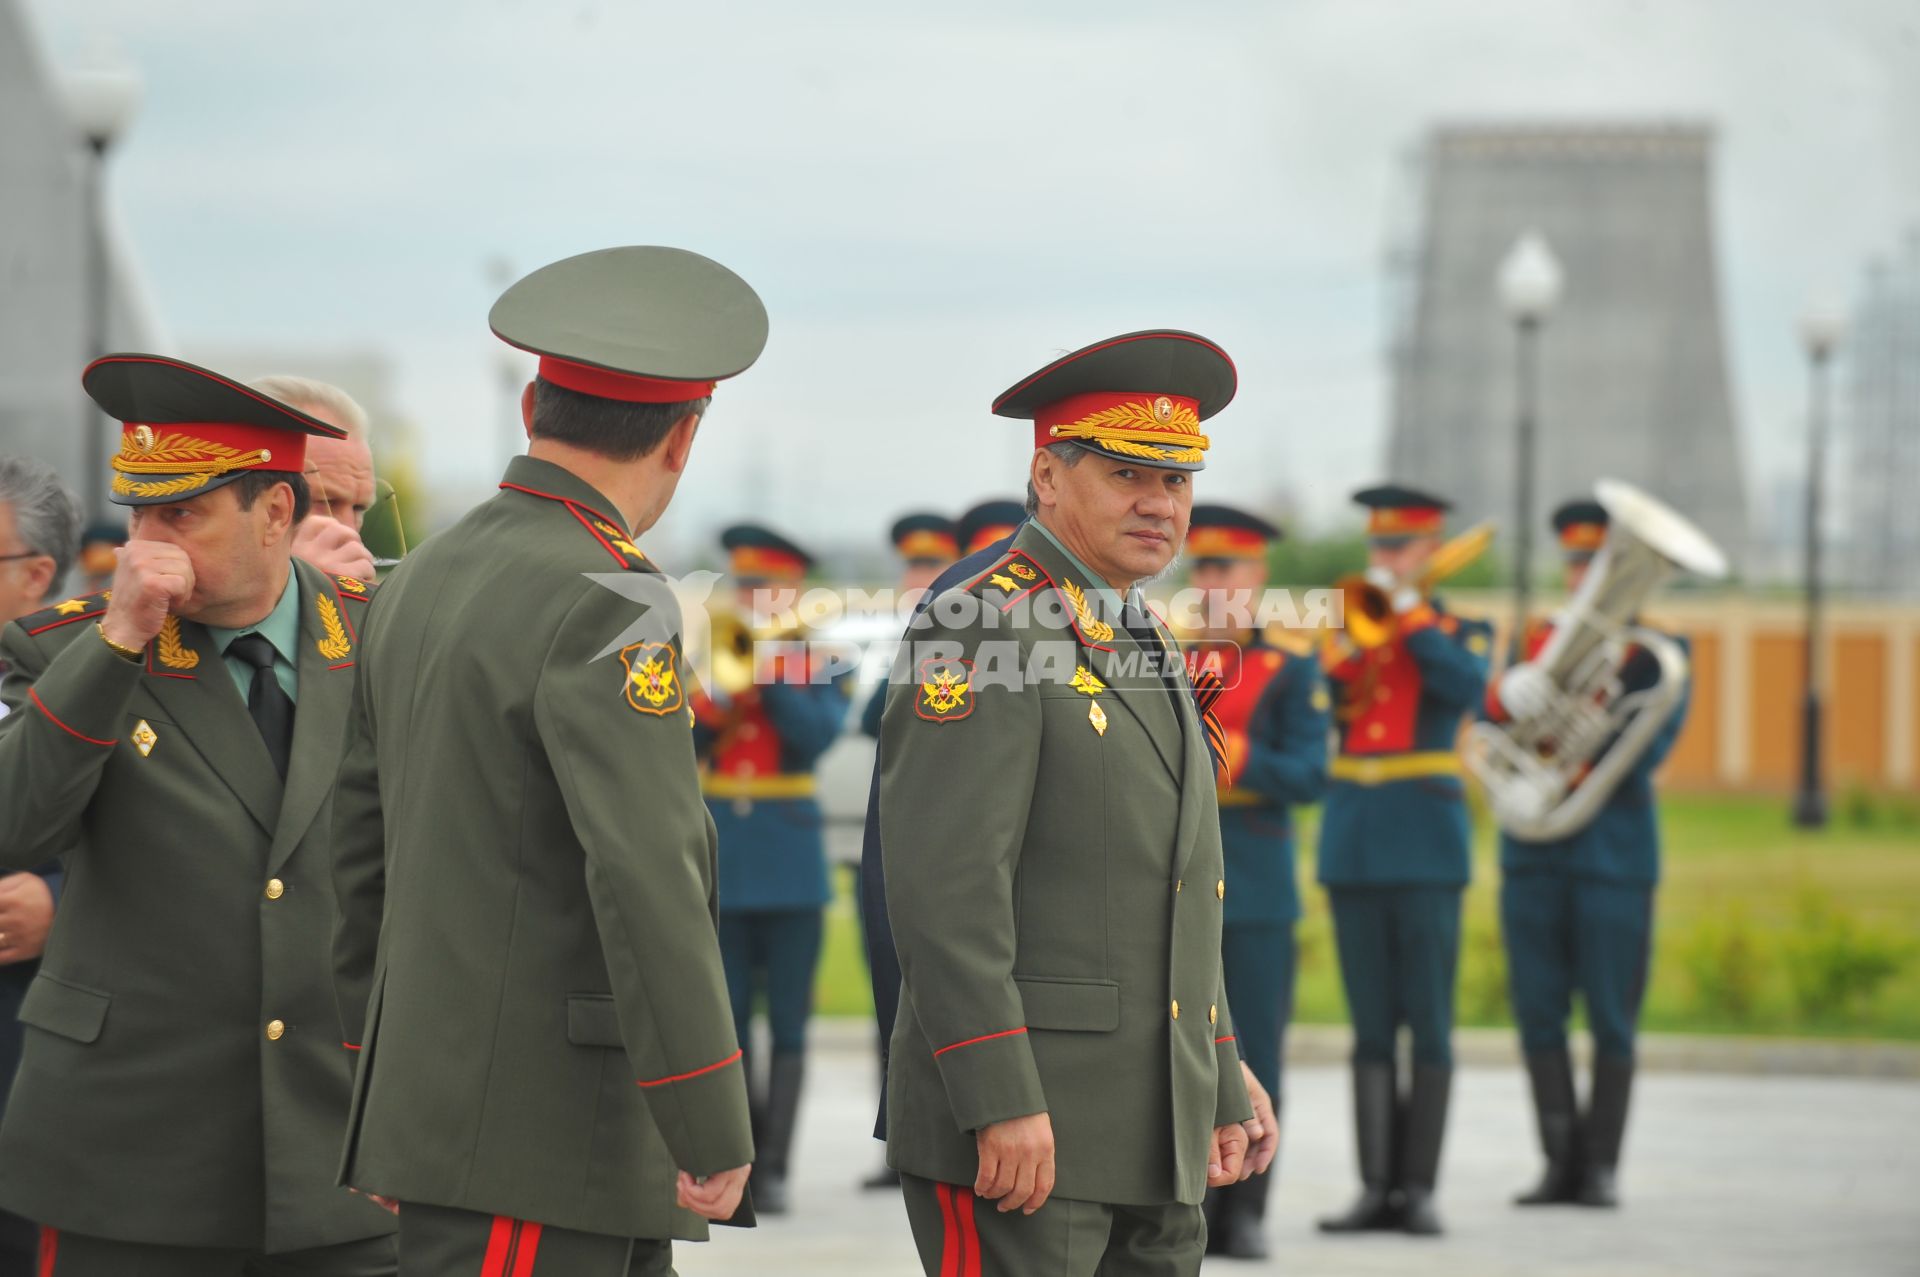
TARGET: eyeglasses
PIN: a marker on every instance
(24, 554)
(380, 522)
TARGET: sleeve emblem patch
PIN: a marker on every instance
(653, 679)
(946, 688)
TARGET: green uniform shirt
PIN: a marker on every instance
(280, 627)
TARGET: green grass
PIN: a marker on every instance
(1759, 928)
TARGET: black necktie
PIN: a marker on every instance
(267, 701)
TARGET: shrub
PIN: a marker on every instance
(1835, 962)
(1723, 961)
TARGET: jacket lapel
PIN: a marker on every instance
(190, 681)
(327, 651)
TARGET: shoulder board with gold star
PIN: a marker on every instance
(352, 587)
(1013, 578)
(85, 607)
(612, 539)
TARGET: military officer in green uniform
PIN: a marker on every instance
(526, 960)
(1272, 712)
(759, 747)
(1576, 914)
(182, 1091)
(1395, 856)
(1064, 1083)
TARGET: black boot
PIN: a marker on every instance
(1373, 1105)
(1243, 1229)
(784, 1076)
(1420, 1162)
(1606, 1127)
(1551, 1075)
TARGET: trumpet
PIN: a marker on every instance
(728, 652)
(1370, 619)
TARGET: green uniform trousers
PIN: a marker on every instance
(444, 1241)
(78, 1255)
(960, 1235)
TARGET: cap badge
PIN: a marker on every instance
(1163, 410)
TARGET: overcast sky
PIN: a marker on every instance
(935, 200)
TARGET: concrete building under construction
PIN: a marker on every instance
(1633, 377)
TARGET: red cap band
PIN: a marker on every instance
(1225, 543)
(764, 561)
(1583, 538)
(1405, 521)
(985, 537)
(926, 543)
(218, 447)
(627, 387)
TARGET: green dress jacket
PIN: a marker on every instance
(526, 955)
(182, 1081)
(1055, 880)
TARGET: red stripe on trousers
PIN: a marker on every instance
(49, 1247)
(495, 1264)
(529, 1247)
(949, 1233)
(965, 1204)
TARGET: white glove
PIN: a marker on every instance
(1526, 691)
(1404, 599)
(1381, 579)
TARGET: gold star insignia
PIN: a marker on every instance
(71, 606)
(1004, 582)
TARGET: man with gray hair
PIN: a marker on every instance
(39, 535)
(339, 475)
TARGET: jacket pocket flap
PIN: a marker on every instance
(592, 1021)
(1090, 1006)
(70, 1010)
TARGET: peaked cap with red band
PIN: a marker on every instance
(186, 430)
(760, 552)
(1225, 532)
(640, 325)
(1582, 528)
(1137, 397)
(1396, 513)
(925, 537)
(990, 521)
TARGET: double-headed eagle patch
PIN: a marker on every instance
(653, 678)
(946, 690)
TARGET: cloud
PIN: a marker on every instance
(934, 201)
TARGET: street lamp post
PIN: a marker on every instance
(1821, 329)
(101, 101)
(1530, 282)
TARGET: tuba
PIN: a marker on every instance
(1369, 614)
(1547, 776)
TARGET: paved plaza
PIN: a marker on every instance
(1725, 1174)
